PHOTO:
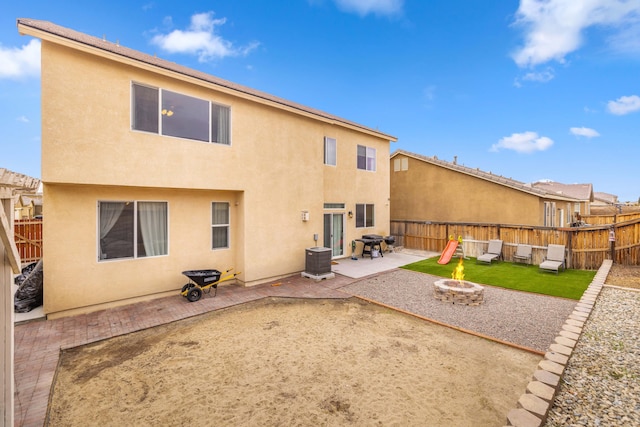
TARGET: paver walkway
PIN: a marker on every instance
(38, 343)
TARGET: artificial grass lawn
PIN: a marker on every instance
(522, 277)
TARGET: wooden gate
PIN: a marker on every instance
(28, 238)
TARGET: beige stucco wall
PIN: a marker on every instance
(74, 275)
(427, 192)
(272, 171)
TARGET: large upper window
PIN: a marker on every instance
(132, 229)
(330, 157)
(174, 114)
(364, 215)
(219, 225)
(366, 158)
(184, 116)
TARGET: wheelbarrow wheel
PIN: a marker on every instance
(187, 286)
(194, 294)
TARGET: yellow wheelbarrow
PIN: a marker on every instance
(202, 281)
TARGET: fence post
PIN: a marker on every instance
(569, 250)
(612, 243)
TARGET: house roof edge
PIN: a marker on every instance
(51, 32)
(487, 176)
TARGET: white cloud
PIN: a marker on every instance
(624, 105)
(21, 62)
(542, 76)
(201, 39)
(377, 7)
(23, 119)
(554, 28)
(526, 142)
(586, 132)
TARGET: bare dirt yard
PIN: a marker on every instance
(624, 276)
(292, 362)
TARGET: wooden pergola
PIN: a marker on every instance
(10, 264)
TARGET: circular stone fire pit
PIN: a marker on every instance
(458, 292)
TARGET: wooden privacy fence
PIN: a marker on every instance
(610, 219)
(28, 238)
(586, 247)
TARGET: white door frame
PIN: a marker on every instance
(336, 243)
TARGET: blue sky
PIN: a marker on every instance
(526, 89)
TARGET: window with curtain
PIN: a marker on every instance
(219, 225)
(366, 158)
(220, 124)
(132, 229)
(170, 113)
(330, 150)
(364, 215)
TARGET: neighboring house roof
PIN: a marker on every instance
(605, 197)
(27, 199)
(487, 176)
(17, 181)
(49, 31)
(582, 192)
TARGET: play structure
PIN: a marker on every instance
(453, 248)
(449, 250)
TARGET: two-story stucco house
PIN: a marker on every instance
(582, 194)
(430, 189)
(150, 168)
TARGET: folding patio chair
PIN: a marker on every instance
(554, 259)
(494, 251)
(523, 254)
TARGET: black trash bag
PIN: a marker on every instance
(24, 273)
(30, 294)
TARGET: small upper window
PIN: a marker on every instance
(330, 157)
(400, 164)
(334, 205)
(366, 158)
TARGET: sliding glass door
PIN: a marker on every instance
(334, 233)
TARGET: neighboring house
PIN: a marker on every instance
(429, 189)
(150, 168)
(605, 200)
(27, 197)
(582, 193)
(28, 206)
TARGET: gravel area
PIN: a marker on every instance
(527, 320)
(601, 382)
